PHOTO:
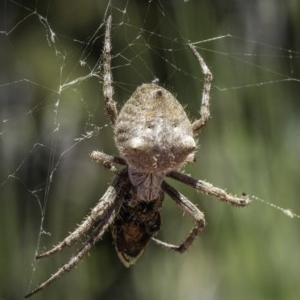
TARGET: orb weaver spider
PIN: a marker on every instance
(155, 139)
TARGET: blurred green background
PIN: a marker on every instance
(251, 143)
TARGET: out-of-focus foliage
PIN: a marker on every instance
(251, 144)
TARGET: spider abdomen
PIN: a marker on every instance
(153, 132)
(155, 136)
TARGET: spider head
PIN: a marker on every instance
(153, 132)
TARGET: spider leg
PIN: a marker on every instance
(209, 189)
(204, 110)
(189, 208)
(106, 220)
(75, 259)
(108, 91)
(108, 161)
(106, 207)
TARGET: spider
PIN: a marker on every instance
(155, 139)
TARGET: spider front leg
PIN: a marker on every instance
(204, 110)
(108, 91)
(73, 262)
(104, 207)
(103, 219)
(188, 207)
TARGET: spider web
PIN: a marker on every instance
(52, 117)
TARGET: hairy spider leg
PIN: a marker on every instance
(188, 207)
(108, 90)
(204, 110)
(106, 202)
(97, 233)
(209, 189)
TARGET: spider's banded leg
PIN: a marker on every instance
(108, 91)
(75, 259)
(108, 161)
(97, 233)
(209, 189)
(100, 212)
(204, 110)
(189, 208)
(70, 264)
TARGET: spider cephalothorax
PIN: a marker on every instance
(155, 138)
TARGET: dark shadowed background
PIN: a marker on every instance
(52, 117)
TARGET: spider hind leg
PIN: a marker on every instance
(204, 109)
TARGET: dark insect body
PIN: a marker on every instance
(137, 222)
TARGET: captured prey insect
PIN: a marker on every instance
(155, 139)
